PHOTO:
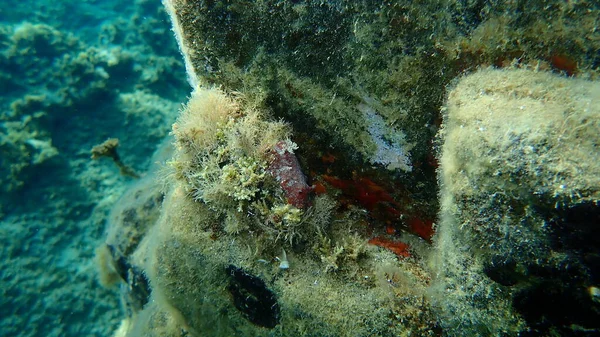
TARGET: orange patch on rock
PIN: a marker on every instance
(423, 228)
(564, 63)
(399, 248)
(319, 188)
(382, 205)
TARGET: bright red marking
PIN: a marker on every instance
(423, 228)
(319, 188)
(399, 248)
(365, 191)
(382, 205)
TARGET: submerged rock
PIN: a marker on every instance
(517, 244)
(346, 97)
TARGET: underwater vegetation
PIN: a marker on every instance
(351, 184)
(369, 169)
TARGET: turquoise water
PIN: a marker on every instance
(72, 74)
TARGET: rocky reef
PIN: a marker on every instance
(376, 169)
(517, 243)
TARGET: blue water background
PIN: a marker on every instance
(72, 74)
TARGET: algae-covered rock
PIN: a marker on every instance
(361, 83)
(129, 223)
(368, 78)
(302, 196)
(232, 253)
(517, 245)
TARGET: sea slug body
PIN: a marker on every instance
(285, 168)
